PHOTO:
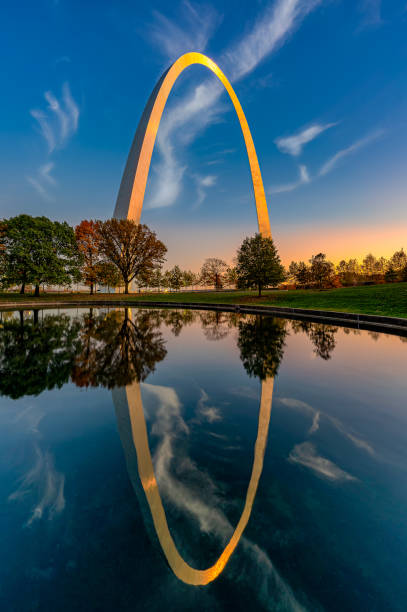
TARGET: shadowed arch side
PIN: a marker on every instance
(129, 410)
(132, 188)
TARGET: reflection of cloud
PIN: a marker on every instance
(291, 402)
(296, 404)
(209, 413)
(46, 484)
(315, 424)
(30, 417)
(169, 426)
(245, 391)
(306, 455)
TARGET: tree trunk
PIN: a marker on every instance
(37, 291)
(259, 290)
(126, 287)
(36, 316)
(91, 288)
(22, 290)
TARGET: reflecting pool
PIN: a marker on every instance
(184, 459)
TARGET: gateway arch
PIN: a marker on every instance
(133, 185)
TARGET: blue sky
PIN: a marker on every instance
(322, 82)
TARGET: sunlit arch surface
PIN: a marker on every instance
(129, 398)
(132, 188)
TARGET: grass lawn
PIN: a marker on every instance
(388, 300)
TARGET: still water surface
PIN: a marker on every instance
(185, 460)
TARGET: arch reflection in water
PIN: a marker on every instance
(129, 410)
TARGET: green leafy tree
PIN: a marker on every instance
(156, 279)
(175, 278)
(258, 263)
(132, 247)
(391, 273)
(39, 251)
(381, 265)
(321, 270)
(348, 271)
(292, 271)
(231, 277)
(369, 265)
(188, 278)
(303, 274)
(107, 274)
(213, 272)
(398, 262)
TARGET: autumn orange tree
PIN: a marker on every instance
(132, 247)
(87, 239)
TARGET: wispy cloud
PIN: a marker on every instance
(305, 454)
(271, 31)
(43, 181)
(192, 30)
(200, 107)
(371, 13)
(203, 183)
(294, 144)
(58, 123)
(60, 120)
(45, 173)
(353, 148)
(39, 188)
(64, 59)
(303, 178)
(328, 166)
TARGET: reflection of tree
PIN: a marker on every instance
(36, 354)
(322, 336)
(117, 350)
(177, 319)
(261, 342)
(215, 324)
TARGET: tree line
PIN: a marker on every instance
(36, 251)
(320, 272)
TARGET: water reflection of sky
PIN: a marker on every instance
(327, 529)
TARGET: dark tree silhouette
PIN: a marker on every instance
(117, 350)
(215, 324)
(36, 353)
(261, 342)
(322, 336)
